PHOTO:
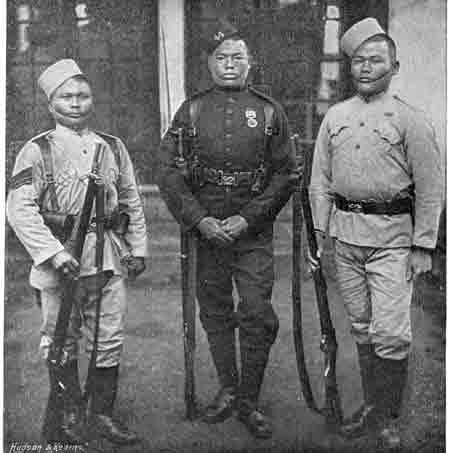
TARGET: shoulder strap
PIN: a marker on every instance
(113, 144)
(46, 153)
(268, 130)
(195, 106)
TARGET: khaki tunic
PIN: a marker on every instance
(374, 151)
(72, 155)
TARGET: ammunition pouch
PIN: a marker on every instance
(61, 225)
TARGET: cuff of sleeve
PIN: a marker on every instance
(195, 221)
(421, 248)
(47, 254)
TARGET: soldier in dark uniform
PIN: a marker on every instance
(236, 143)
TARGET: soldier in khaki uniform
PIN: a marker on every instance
(51, 173)
(376, 187)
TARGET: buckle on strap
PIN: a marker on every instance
(354, 206)
(227, 179)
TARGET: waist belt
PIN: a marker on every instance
(115, 221)
(393, 207)
(223, 178)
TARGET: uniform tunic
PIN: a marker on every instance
(377, 150)
(72, 154)
(231, 137)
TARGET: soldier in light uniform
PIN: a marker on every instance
(376, 187)
(236, 142)
(52, 169)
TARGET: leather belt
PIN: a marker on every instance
(224, 178)
(115, 221)
(393, 207)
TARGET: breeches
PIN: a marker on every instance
(250, 263)
(82, 321)
(377, 296)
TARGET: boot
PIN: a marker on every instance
(360, 421)
(65, 415)
(222, 406)
(223, 351)
(391, 377)
(102, 403)
(73, 424)
(254, 363)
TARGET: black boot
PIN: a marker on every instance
(65, 421)
(102, 403)
(253, 367)
(391, 377)
(73, 425)
(360, 421)
(223, 351)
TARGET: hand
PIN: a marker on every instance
(212, 230)
(135, 266)
(234, 226)
(66, 264)
(314, 261)
(419, 262)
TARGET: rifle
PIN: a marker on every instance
(188, 259)
(297, 223)
(57, 358)
(100, 280)
(328, 344)
(188, 285)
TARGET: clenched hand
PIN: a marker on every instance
(66, 264)
(211, 229)
(234, 226)
(419, 263)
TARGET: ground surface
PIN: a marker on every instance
(151, 386)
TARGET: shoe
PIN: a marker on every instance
(389, 439)
(359, 423)
(257, 423)
(112, 430)
(73, 429)
(221, 408)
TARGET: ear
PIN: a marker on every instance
(395, 67)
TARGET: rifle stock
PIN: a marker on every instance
(328, 344)
(51, 429)
(188, 283)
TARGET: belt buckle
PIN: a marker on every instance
(354, 206)
(227, 180)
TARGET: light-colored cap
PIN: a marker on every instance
(56, 74)
(360, 32)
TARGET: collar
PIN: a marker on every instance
(221, 89)
(376, 97)
(64, 131)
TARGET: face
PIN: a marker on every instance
(72, 104)
(372, 68)
(229, 63)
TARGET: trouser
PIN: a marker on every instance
(250, 263)
(111, 329)
(377, 297)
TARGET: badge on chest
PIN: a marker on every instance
(250, 114)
